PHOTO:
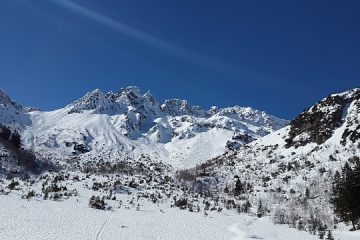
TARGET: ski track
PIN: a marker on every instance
(104, 225)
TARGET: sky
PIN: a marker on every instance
(276, 56)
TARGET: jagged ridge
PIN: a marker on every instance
(127, 123)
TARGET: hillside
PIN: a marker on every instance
(290, 171)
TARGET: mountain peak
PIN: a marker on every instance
(178, 107)
(348, 94)
(317, 124)
(11, 112)
(6, 100)
(134, 89)
(94, 100)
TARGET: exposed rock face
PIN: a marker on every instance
(94, 100)
(238, 140)
(177, 107)
(81, 148)
(6, 101)
(352, 130)
(318, 123)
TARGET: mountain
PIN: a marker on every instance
(129, 124)
(127, 153)
(12, 113)
(290, 171)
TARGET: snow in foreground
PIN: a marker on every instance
(73, 219)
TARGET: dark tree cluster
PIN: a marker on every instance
(97, 203)
(346, 194)
(241, 187)
(12, 141)
(5, 132)
(12, 138)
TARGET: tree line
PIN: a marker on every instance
(346, 193)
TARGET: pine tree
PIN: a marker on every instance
(307, 193)
(16, 139)
(322, 231)
(239, 188)
(5, 132)
(346, 193)
(260, 210)
(330, 236)
(321, 234)
(226, 189)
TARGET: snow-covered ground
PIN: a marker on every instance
(73, 219)
(92, 136)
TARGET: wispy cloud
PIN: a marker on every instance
(147, 38)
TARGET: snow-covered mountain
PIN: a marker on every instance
(128, 124)
(122, 149)
(291, 170)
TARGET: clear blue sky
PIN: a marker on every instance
(277, 56)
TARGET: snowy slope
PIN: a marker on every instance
(303, 156)
(130, 216)
(128, 123)
(74, 220)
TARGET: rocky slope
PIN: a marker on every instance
(290, 170)
(12, 113)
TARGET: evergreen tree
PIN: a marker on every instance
(322, 231)
(226, 189)
(346, 194)
(330, 236)
(5, 132)
(16, 139)
(307, 193)
(260, 210)
(239, 187)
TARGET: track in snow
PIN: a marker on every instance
(103, 226)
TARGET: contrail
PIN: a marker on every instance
(146, 38)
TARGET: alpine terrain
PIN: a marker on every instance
(124, 166)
